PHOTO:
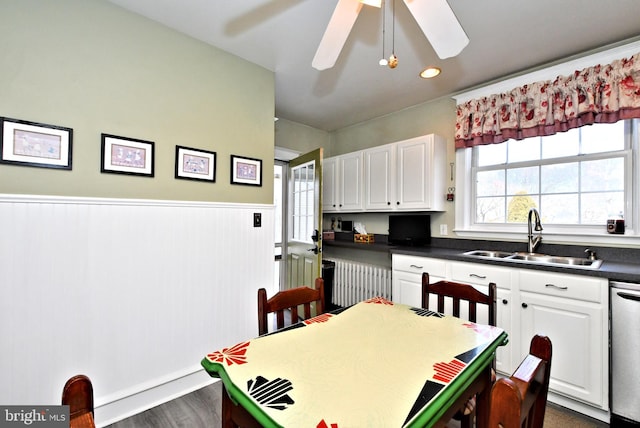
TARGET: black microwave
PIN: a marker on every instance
(410, 229)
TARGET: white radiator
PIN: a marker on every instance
(354, 282)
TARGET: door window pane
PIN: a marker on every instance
(303, 202)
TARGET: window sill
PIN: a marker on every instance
(552, 237)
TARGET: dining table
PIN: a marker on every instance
(374, 364)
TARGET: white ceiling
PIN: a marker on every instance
(507, 37)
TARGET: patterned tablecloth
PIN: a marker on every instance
(375, 364)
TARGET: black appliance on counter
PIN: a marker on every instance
(410, 229)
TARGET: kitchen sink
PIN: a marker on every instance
(488, 254)
(535, 258)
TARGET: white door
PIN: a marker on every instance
(304, 243)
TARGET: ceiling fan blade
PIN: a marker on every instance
(342, 20)
(440, 25)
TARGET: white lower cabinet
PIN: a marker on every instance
(480, 276)
(406, 277)
(571, 309)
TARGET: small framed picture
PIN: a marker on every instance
(122, 155)
(246, 171)
(35, 144)
(195, 164)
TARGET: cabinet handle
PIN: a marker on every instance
(475, 275)
(398, 203)
(388, 203)
(505, 301)
(524, 305)
(416, 266)
(556, 286)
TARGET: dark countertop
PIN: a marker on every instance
(619, 264)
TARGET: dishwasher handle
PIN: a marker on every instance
(628, 296)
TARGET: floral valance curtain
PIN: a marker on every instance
(599, 94)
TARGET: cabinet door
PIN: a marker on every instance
(407, 288)
(480, 276)
(575, 328)
(350, 181)
(504, 361)
(420, 173)
(329, 185)
(379, 182)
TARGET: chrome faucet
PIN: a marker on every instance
(534, 242)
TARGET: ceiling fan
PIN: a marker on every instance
(434, 17)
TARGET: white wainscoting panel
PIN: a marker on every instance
(132, 293)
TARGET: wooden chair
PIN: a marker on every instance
(289, 300)
(521, 400)
(78, 395)
(460, 292)
(234, 415)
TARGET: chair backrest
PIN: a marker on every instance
(289, 300)
(78, 395)
(521, 400)
(459, 292)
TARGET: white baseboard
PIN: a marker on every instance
(131, 403)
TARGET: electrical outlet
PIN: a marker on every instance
(443, 229)
(257, 219)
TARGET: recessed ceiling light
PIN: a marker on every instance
(430, 72)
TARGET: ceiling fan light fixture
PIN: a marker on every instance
(430, 72)
(375, 3)
(393, 61)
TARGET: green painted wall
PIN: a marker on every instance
(94, 67)
(301, 138)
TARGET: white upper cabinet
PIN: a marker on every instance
(329, 184)
(379, 178)
(342, 183)
(407, 175)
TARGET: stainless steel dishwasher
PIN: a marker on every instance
(625, 350)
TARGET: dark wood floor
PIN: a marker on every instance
(201, 409)
(198, 409)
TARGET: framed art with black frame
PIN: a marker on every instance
(122, 155)
(246, 171)
(195, 164)
(35, 144)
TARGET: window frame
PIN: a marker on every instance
(466, 227)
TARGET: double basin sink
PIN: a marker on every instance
(535, 258)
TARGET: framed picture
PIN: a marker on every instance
(246, 171)
(122, 155)
(195, 164)
(35, 144)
